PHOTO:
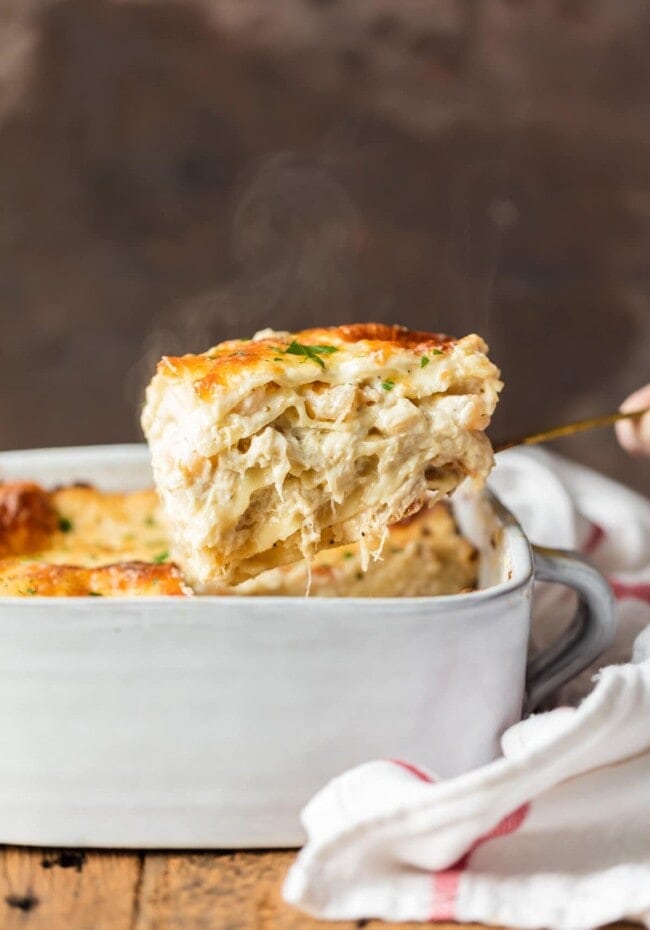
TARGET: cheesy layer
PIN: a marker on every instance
(269, 450)
(424, 555)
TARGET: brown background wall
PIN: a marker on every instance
(175, 173)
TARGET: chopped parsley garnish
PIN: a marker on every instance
(95, 594)
(424, 361)
(309, 352)
(388, 385)
(161, 557)
(65, 525)
(32, 590)
(149, 521)
(348, 555)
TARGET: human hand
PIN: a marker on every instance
(634, 435)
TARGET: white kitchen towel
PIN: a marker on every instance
(554, 834)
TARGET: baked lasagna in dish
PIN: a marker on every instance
(424, 555)
(81, 541)
(267, 451)
(77, 541)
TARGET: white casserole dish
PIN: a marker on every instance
(209, 722)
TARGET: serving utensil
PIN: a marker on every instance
(568, 429)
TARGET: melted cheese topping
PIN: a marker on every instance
(269, 450)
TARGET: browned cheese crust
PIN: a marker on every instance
(121, 579)
(77, 541)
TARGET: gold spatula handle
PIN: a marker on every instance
(579, 426)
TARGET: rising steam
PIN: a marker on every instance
(296, 238)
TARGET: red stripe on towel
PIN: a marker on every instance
(623, 590)
(413, 769)
(446, 883)
(445, 894)
(594, 539)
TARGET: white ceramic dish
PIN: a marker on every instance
(208, 722)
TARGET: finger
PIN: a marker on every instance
(634, 435)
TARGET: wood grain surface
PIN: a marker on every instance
(43, 889)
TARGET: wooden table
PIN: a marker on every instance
(43, 889)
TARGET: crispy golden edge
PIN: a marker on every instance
(121, 579)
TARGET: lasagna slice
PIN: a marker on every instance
(268, 450)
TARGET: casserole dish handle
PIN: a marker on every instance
(588, 635)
